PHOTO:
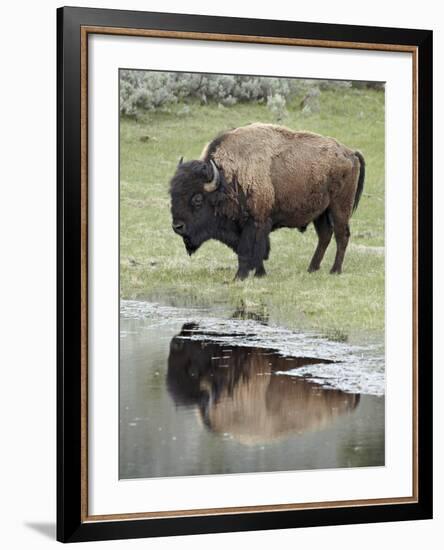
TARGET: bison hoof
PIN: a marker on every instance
(313, 268)
(335, 271)
(240, 276)
(260, 272)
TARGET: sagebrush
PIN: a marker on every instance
(152, 90)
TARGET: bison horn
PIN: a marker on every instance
(213, 184)
(180, 161)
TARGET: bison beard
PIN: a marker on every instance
(190, 247)
(258, 178)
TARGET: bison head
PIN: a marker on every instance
(194, 196)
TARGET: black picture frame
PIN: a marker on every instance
(72, 523)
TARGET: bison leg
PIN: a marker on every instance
(243, 269)
(341, 209)
(252, 249)
(267, 248)
(260, 269)
(342, 235)
(325, 231)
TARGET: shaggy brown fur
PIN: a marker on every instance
(290, 179)
(296, 173)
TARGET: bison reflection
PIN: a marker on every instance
(236, 391)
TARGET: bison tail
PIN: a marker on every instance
(360, 180)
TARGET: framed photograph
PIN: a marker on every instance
(244, 274)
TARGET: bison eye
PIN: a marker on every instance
(197, 200)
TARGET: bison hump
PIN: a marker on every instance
(246, 157)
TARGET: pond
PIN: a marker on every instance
(206, 391)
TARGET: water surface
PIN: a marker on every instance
(206, 392)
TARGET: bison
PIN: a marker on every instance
(255, 179)
(236, 390)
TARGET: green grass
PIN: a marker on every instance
(154, 263)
